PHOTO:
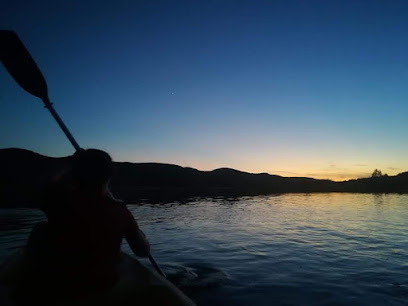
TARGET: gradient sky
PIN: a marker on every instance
(295, 88)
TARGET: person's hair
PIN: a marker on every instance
(91, 169)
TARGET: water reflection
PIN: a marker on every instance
(281, 249)
(15, 226)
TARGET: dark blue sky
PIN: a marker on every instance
(316, 88)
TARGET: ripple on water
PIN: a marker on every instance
(292, 249)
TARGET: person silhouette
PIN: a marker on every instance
(75, 253)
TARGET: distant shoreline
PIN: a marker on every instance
(24, 173)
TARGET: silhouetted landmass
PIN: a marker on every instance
(24, 173)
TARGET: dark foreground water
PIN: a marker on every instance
(293, 249)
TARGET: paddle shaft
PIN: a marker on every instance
(61, 124)
(156, 266)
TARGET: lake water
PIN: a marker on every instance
(291, 249)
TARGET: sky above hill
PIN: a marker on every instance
(295, 88)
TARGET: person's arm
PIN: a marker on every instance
(135, 237)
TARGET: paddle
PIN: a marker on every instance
(24, 70)
(26, 73)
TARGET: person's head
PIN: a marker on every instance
(92, 170)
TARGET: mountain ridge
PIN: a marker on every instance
(24, 173)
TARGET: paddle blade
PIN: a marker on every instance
(21, 65)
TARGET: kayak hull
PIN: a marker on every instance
(138, 285)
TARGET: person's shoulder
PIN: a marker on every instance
(119, 209)
(115, 203)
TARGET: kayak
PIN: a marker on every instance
(138, 285)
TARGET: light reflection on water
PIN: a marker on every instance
(319, 249)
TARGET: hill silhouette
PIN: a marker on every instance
(24, 173)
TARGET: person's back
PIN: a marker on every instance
(81, 241)
(87, 238)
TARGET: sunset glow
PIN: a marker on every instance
(317, 91)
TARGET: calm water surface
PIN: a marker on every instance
(292, 249)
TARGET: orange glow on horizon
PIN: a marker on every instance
(335, 168)
(295, 169)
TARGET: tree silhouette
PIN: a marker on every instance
(376, 173)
